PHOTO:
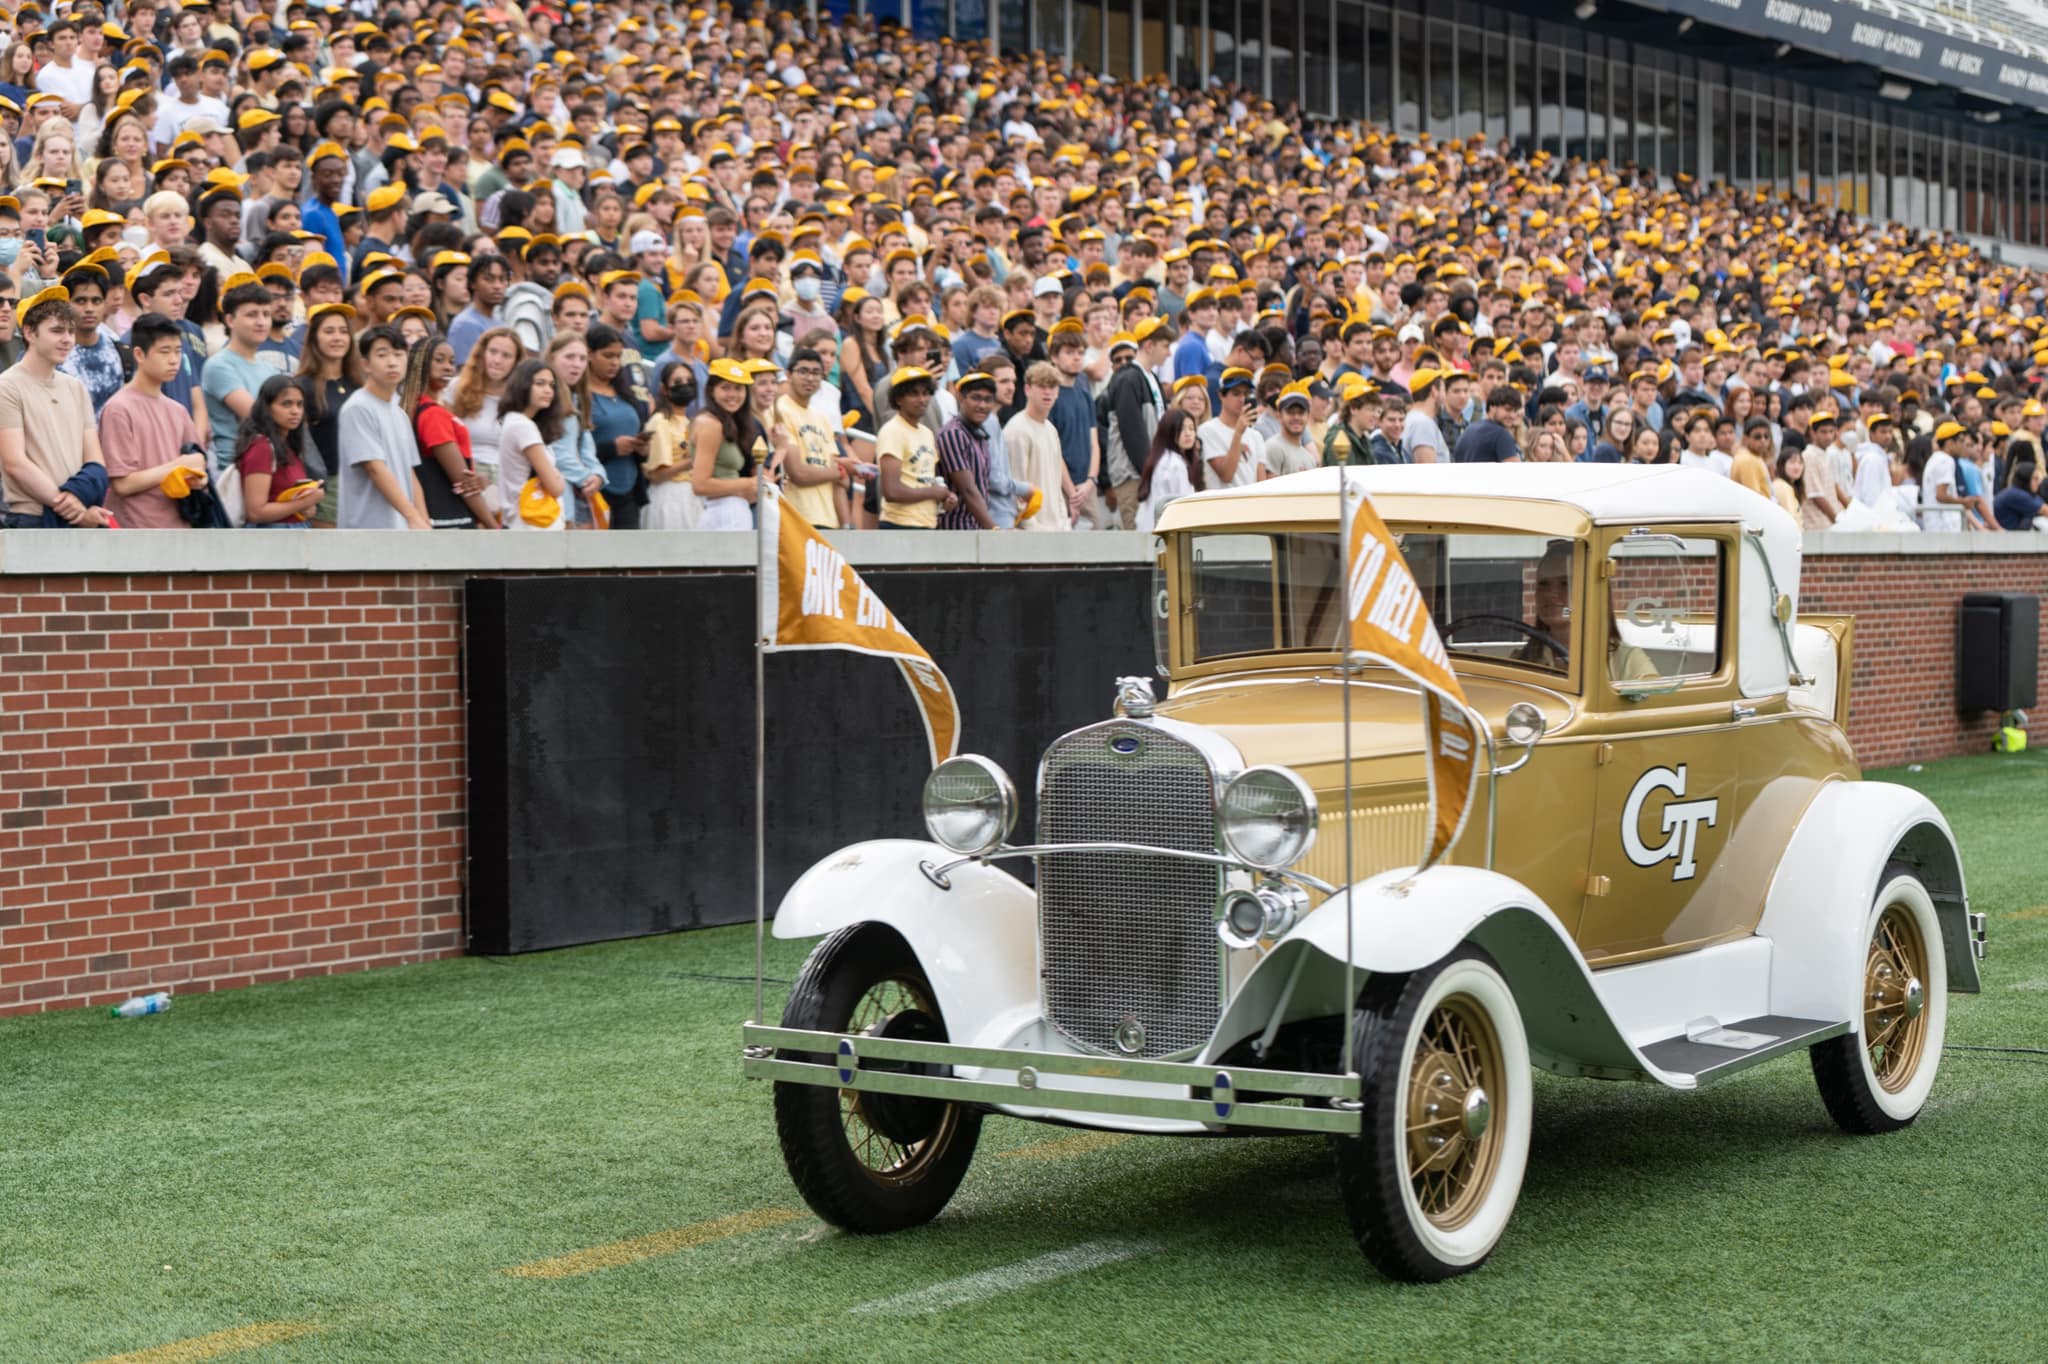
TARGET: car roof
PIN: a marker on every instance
(1603, 492)
(1555, 495)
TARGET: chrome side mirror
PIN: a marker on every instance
(1524, 726)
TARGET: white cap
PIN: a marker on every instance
(568, 158)
(647, 240)
(1046, 285)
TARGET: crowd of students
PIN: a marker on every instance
(602, 266)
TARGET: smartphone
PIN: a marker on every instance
(37, 238)
(74, 186)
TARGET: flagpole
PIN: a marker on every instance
(763, 511)
(1344, 500)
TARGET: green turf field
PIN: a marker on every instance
(347, 1168)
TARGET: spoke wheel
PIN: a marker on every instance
(896, 1137)
(1878, 1079)
(865, 1161)
(1449, 1167)
(1432, 1178)
(1895, 1000)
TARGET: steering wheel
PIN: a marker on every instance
(1528, 632)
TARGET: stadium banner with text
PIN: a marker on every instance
(809, 597)
(1852, 33)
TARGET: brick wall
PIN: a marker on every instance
(210, 778)
(1902, 692)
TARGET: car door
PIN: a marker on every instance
(1668, 768)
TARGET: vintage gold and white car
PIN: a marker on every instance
(1672, 870)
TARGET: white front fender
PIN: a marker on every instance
(1397, 928)
(977, 942)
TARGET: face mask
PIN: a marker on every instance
(10, 247)
(807, 289)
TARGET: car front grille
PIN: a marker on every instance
(1124, 935)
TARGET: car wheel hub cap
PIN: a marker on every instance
(1478, 1112)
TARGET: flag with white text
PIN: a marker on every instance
(1389, 621)
(810, 598)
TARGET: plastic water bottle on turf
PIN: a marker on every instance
(142, 1004)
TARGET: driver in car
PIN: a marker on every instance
(1550, 644)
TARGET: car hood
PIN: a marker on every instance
(1294, 718)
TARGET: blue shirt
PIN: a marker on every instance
(2016, 509)
(1073, 416)
(1969, 479)
(225, 373)
(318, 217)
(97, 366)
(465, 328)
(650, 308)
(970, 348)
(611, 418)
(1002, 485)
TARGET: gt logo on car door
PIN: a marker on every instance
(1680, 825)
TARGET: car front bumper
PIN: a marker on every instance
(1056, 1084)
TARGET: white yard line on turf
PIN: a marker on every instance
(1059, 1264)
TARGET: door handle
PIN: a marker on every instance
(1743, 711)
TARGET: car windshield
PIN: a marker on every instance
(1497, 596)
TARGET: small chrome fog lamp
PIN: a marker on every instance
(969, 805)
(1268, 817)
(1268, 912)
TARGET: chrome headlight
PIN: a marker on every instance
(1268, 817)
(969, 805)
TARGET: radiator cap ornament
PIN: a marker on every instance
(1134, 697)
(1130, 1035)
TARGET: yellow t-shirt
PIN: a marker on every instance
(668, 442)
(919, 453)
(815, 448)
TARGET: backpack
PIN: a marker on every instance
(226, 484)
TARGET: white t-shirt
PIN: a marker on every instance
(172, 115)
(1169, 481)
(1713, 461)
(516, 434)
(1873, 476)
(72, 85)
(1940, 473)
(1215, 436)
(1035, 458)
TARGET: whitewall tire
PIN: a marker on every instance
(1877, 1078)
(1431, 1181)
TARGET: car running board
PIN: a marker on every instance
(1709, 1050)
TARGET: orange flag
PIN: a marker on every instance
(1390, 623)
(810, 598)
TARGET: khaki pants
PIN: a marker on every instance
(1095, 513)
(1126, 495)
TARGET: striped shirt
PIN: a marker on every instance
(962, 449)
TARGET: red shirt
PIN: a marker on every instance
(436, 425)
(259, 458)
